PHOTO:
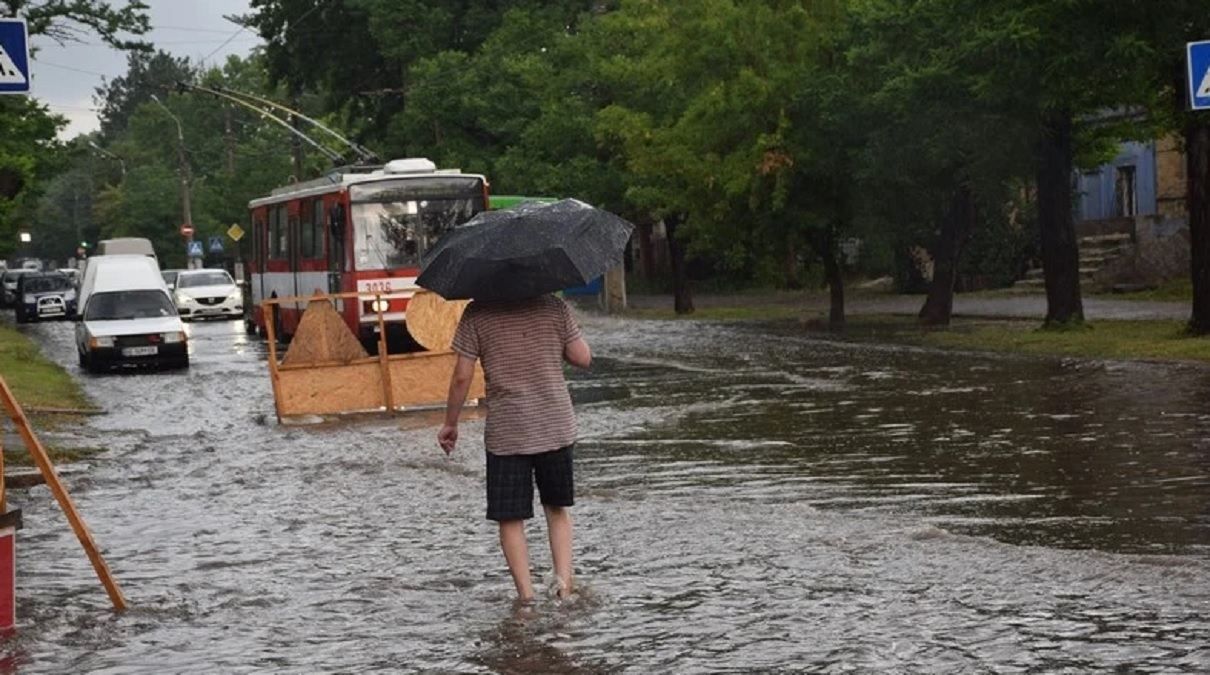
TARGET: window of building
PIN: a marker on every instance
(1125, 192)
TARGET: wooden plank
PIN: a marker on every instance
(3, 478)
(384, 363)
(274, 377)
(43, 410)
(42, 460)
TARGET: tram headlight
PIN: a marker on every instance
(379, 305)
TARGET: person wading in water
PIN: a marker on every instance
(531, 427)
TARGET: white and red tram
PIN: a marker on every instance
(359, 230)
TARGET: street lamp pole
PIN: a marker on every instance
(186, 177)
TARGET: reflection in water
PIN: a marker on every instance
(750, 500)
(527, 642)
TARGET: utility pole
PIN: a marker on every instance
(229, 140)
(296, 146)
(186, 178)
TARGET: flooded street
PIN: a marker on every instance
(749, 499)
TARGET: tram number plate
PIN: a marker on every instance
(140, 351)
(378, 287)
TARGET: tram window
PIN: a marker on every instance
(277, 232)
(311, 229)
(258, 231)
(317, 229)
(306, 238)
(290, 244)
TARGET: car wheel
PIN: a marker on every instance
(22, 317)
(87, 364)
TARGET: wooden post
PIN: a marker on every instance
(271, 336)
(614, 289)
(3, 488)
(56, 487)
(384, 363)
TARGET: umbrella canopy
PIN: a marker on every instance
(525, 251)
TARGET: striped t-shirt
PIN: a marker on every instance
(521, 346)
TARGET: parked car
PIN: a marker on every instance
(128, 317)
(208, 293)
(45, 295)
(8, 296)
(170, 278)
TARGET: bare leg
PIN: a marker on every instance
(558, 524)
(512, 541)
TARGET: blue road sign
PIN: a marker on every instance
(14, 57)
(1199, 75)
(215, 245)
(194, 249)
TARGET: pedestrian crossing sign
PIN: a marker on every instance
(1199, 75)
(14, 57)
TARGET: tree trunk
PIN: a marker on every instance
(793, 280)
(683, 299)
(646, 250)
(1197, 201)
(832, 273)
(1060, 253)
(956, 225)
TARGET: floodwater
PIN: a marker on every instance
(750, 499)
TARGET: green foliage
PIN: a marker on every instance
(773, 128)
(29, 154)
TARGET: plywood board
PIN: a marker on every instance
(424, 379)
(330, 391)
(323, 337)
(432, 320)
(416, 379)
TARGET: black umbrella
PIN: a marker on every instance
(525, 251)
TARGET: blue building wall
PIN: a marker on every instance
(1095, 190)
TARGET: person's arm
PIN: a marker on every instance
(460, 384)
(577, 353)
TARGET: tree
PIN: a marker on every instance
(72, 20)
(1166, 26)
(1057, 66)
(147, 73)
(29, 154)
(937, 150)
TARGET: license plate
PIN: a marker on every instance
(140, 351)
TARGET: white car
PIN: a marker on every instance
(128, 317)
(208, 293)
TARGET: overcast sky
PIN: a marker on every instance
(66, 76)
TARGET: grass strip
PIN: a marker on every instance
(34, 379)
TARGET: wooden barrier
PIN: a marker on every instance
(47, 469)
(322, 375)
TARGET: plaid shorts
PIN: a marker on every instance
(511, 478)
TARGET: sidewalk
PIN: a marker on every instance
(1026, 306)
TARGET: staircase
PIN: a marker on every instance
(1096, 251)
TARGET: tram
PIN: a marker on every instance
(359, 229)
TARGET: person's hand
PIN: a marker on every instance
(448, 437)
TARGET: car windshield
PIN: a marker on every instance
(10, 277)
(43, 284)
(119, 305)
(217, 278)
